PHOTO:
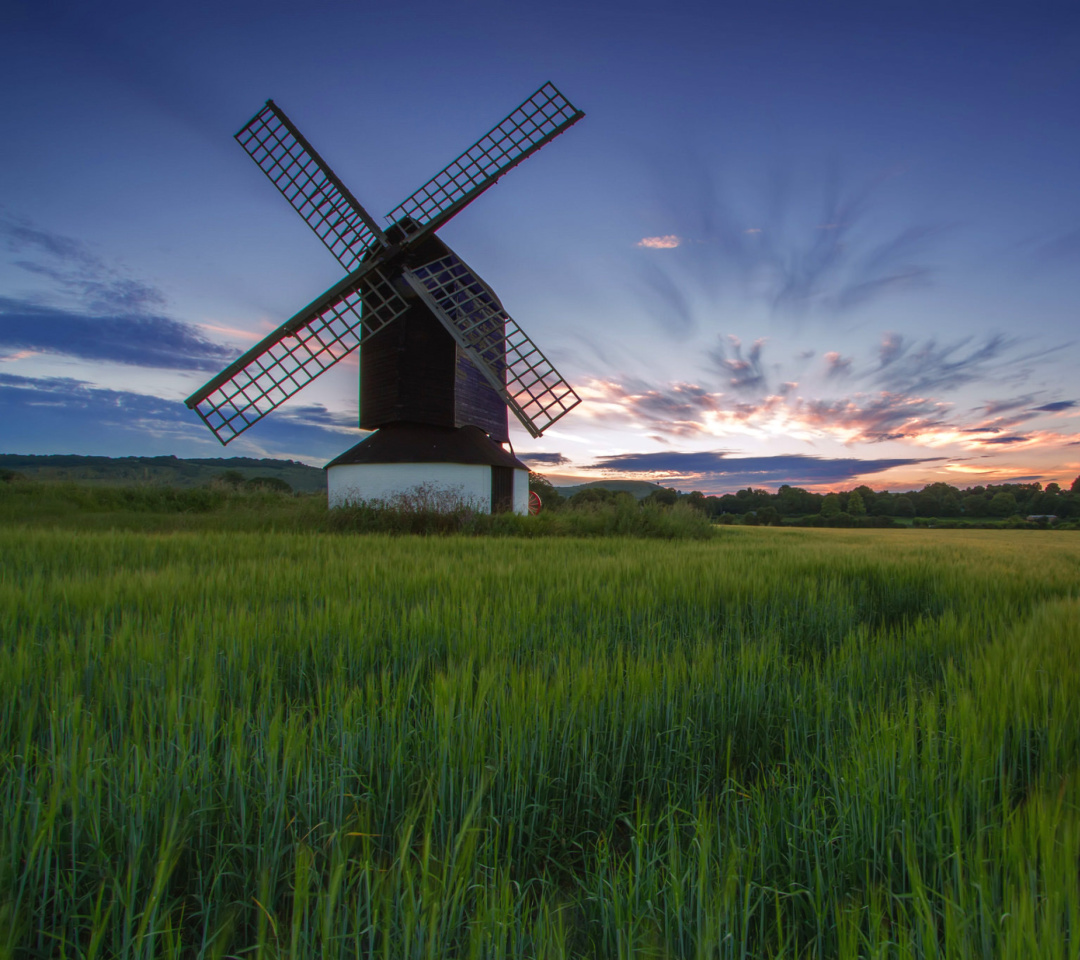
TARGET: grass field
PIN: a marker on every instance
(773, 743)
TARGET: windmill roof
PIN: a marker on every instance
(423, 443)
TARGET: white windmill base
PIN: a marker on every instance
(432, 486)
(422, 467)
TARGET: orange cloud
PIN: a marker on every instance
(688, 410)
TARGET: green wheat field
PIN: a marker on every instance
(764, 743)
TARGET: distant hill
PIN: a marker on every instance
(639, 488)
(161, 471)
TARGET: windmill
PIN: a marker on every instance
(441, 360)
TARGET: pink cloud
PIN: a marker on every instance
(688, 410)
(668, 242)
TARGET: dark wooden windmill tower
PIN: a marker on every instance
(440, 360)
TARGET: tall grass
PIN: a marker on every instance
(773, 743)
(221, 507)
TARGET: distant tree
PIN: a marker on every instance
(855, 505)
(549, 496)
(794, 501)
(830, 506)
(1053, 489)
(9, 476)
(975, 505)
(1045, 503)
(1003, 504)
(695, 499)
(268, 483)
(590, 495)
(884, 505)
(231, 478)
(904, 507)
(1075, 488)
(868, 495)
(769, 516)
(927, 505)
(950, 505)
(599, 495)
(667, 496)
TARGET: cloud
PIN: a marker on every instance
(102, 315)
(678, 408)
(836, 365)
(992, 407)
(59, 414)
(668, 242)
(552, 459)
(690, 411)
(716, 469)
(76, 272)
(665, 299)
(798, 246)
(745, 373)
(1057, 406)
(921, 368)
(874, 418)
(141, 340)
(892, 346)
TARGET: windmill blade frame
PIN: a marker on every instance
(538, 120)
(507, 357)
(313, 190)
(302, 348)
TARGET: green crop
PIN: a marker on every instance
(772, 743)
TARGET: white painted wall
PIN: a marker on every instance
(521, 491)
(435, 485)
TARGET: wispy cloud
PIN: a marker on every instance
(50, 414)
(1057, 406)
(689, 410)
(743, 373)
(94, 312)
(930, 366)
(143, 340)
(836, 365)
(74, 270)
(796, 247)
(665, 299)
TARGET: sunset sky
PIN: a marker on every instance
(815, 244)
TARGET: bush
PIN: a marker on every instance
(271, 484)
(621, 516)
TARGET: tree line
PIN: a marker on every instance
(861, 506)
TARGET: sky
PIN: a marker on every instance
(817, 244)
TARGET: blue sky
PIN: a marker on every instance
(818, 246)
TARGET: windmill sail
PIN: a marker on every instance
(538, 120)
(531, 386)
(296, 353)
(381, 288)
(308, 183)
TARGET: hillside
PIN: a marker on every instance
(161, 471)
(639, 488)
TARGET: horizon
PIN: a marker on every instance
(817, 248)
(559, 481)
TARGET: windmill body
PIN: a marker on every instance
(441, 361)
